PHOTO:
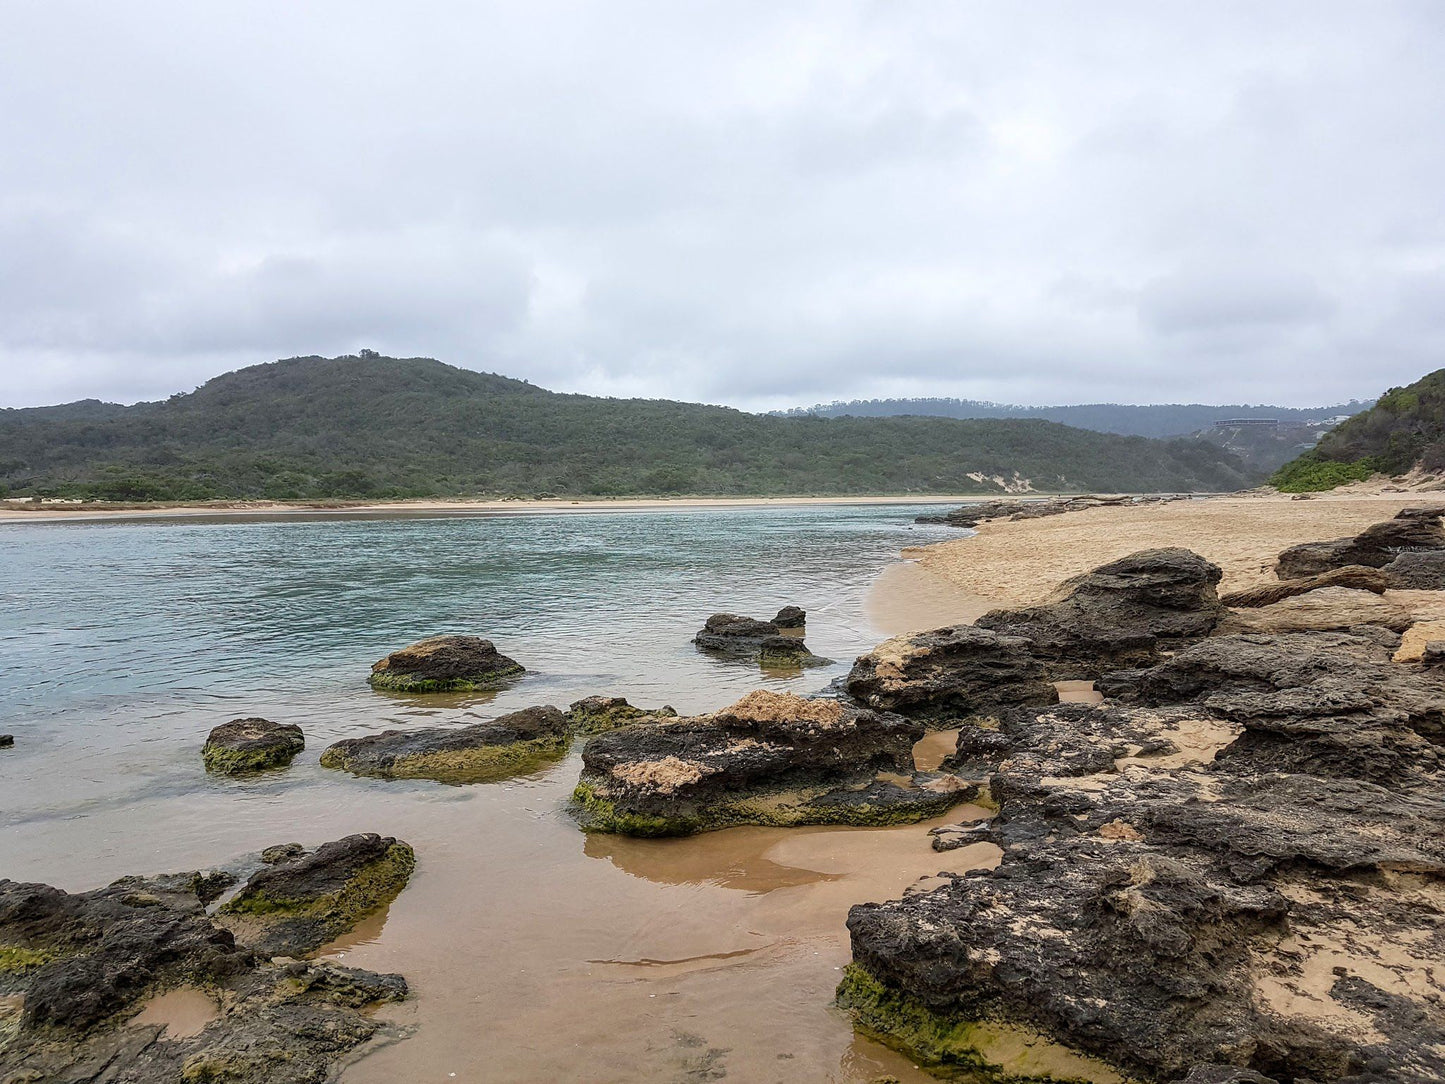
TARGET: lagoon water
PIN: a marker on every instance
(534, 952)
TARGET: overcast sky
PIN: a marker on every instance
(762, 204)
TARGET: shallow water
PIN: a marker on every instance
(534, 952)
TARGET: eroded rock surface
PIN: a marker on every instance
(597, 714)
(771, 758)
(1412, 530)
(294, 906)
(81, 964)
(497, 749)
(243, 746)
(444, 664)
(791, 617)
(950, 674)
(1238, 874)
(1120, 614)
(1322, 610)
(1356, 577)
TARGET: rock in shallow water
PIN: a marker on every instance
(83, 962)
(251, 745)
(293, 907)
(771, 759)
(749, 638)
(444, 664)
(597, 714)
(503, 747)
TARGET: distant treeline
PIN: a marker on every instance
(1163, 420)
(378, 427)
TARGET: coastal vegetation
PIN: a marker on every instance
(1404, 430)
(379, 428)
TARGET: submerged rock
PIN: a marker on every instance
(1414, 529)
(1120, 614)
(444, 664)
(596, 714)
(950, 674)
(295, 906)
(771, 759)
(81, 964)
(1236, 875)
(251, 745)
(749, 638)
(1355, 577)
(506, 746)
(6, 740)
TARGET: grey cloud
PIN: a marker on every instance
(760, 204)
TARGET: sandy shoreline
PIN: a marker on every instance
(12, 512)
(1010, 563)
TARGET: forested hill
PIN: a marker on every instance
(1403, 430)
(371, 426)
(1161, 420)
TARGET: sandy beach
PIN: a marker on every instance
(1008, 563)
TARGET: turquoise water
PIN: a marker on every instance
(124, 642)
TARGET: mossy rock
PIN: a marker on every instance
(599, 714)
(441, 664)
(295, 907)
(17, 960)
(978, 1051)
(243, 746)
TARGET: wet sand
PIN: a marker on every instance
(1006, 563)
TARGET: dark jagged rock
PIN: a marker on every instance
(1420, 570)
(1120, 614)
(950, 674)
(282, 852)
(1413, 530)
(503, 747)
(971, 515)
(791, 617)
(444, 664)
(82, 963)
(597, 714)
(771, 758)
(251, 745)
(1237, 876)
(6, 741)
(749, 638)
(1355, 577)
(296, 906)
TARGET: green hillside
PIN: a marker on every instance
(1403, 430)
(371, 426)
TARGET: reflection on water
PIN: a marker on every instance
(534, 952)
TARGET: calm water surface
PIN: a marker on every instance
(535, 952)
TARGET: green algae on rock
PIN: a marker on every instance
(296, 906)
(243, 746)
(444, 664)
(483, 752)
(598, 714)
(771, 759)
(982, 1052)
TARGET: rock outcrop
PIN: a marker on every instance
(771, 759)
(1121, 614)
(791, 617)
(510, 745)
(251, 745)
(598, 714)
(1321, 610)
(80, 965)
(1419, 570)
(1412, 530)
(1233, 873)
(293, 907)
(950, 674)
(1355, 577)
(971, 515)
(444, 664)
(748, 638)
